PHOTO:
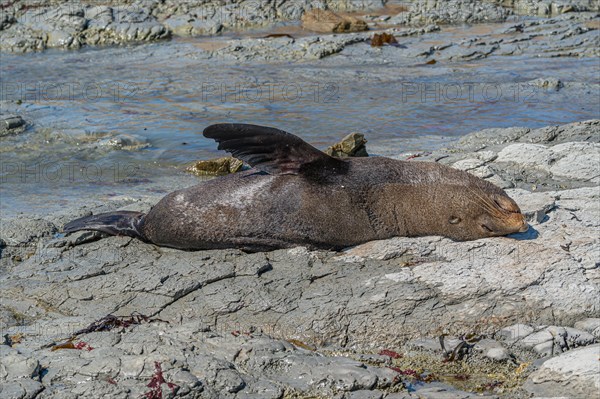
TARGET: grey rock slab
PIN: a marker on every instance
(516, 332)
(445, 393)
(535, 206)
(590, 325)
(23, 230)
(550, 157)
(492, 349)
(573, 373)
(498, 354)
(14, 364)
(553, 340)
(20, 389)
(11, 124)
(182, 25)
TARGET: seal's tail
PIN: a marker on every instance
(120, 223)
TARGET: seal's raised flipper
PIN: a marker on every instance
(120, 223)
(272, 150)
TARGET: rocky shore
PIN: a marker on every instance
(35, 25)
(516, 315)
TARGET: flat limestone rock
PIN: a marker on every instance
(566, 160)
(573, 374)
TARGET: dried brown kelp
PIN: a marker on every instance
(277, 35)
(106, 323)
(380, 39)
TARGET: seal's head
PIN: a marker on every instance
(476, 211)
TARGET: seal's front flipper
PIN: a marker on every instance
(120, 223)
(272, 150)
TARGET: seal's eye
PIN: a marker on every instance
(486, 228)
(454, 220)
(505, 204)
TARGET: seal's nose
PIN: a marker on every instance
(524, 227)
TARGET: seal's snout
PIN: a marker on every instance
(517, 223)
(524, 227)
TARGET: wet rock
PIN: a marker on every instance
(353, 145)
(11, 124)
(548, 83)
(327, 21)
(573, 373)
(129, 142)
(216, 167)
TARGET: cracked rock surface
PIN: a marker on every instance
(569, 28)
(287, 322)
(37, 24)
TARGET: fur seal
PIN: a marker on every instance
(297, 195)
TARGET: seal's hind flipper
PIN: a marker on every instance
(120, 223)
(272, 150)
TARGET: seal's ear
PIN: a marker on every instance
(272, 150)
